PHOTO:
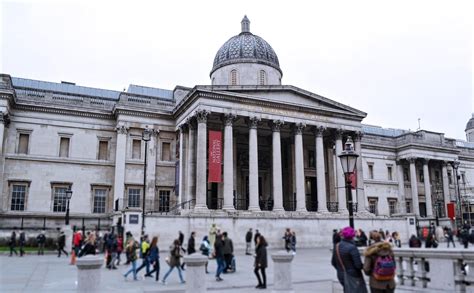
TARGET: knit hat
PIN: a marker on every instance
(348, 233)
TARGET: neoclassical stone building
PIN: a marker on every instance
(275, 151)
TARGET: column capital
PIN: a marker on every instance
(425, 161)
(412, 160)
(357, 136)
(5, 119)
(183, 127)
(201, 116)
(276, 125)
(319, 130)
(338, 132)
(253, 122)
(191, 123)
(229, 119)
(398, 162)
(122, 129)
(445, 163)
(298, 128)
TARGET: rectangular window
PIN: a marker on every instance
(166, 151)
(408, 205)
(371, 171)
(23, 143)
(373, 205)
(311, 160)
(134, 197)
(406, 174)
(18, 197)
(164, 201)
(103, 150)
(392, 206)
(389, 173)
(136, 149)
(64, 147)
(100, 200)
(59, 199)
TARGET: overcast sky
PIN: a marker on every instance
(397, 62)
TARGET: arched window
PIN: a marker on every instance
(263, 77)
(233, 77)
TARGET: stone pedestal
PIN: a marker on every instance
(88, 273)
(195, 273)
(282, 272)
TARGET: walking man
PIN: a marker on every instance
(61, 243)
(12, 243)
(41, 240)
(248, 242)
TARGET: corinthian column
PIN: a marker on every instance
(201, 168)
(341, 183)
(427, 183)
(299, 168)
(181, 186)
(191, 161)
(253, 164)
(320, 175)
(120, 154)
(414, 186)
(228, 163)
(276, 172)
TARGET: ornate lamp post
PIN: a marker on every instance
(68, 198)
(348, 160)
(146, 136)
(458, 194)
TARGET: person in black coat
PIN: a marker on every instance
(219, 255)
(257, 234)
(90, 246)
(12, 243)
(192, 243)
(41, 240)
(336, 237)
(261, 262)
(248, 241)
(22, 242)
(61, 244)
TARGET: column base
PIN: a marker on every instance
(200, 208)
(301, 210)
(343, 212)
(254, 209)
(278, 210)
(229, 208)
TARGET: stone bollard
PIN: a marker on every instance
(88, 273)
(282, 272)
(195, 273)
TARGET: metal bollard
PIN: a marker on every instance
(282, 272)
(88, 273)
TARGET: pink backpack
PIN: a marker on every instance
(385, 268)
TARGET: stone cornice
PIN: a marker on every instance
(64, 111)
(142, 113)
(59, 160)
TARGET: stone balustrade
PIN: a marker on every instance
(435, 269)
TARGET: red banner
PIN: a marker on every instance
(451, 210)
(215, 156)
(353, 177)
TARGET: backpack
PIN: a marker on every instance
(385, 268)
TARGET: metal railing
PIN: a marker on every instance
(176, 209)
(312, 205)
(266, 205)
(333, 206)
(215, 203)
(241, 204)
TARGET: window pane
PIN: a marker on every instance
(103, 150)
(18, 197)
(64, 147)
(166, 151)
(100, 199)
(164, 201)
(134, 197)
(136, 149)
(23, 143)
(59, 199)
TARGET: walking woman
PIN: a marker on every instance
(154, 258)
(205, 249)
(131, 250)
(261, 262)
(175, 255)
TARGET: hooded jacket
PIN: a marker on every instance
(371, 254)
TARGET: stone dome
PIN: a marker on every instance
(470, 123)
(246, 48)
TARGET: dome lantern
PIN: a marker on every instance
(245, 25)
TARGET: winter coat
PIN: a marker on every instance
(261, 256)
(350, 257)
(248, 237)
(61, 240)
(228, 246)
(175, 254)
(41, 238)
(371, 254)
(205, 248)
(154, 254)
(22, 239)
(12, 241)
(88, 249)
(219, 248)
(414, 242)
(191, 245)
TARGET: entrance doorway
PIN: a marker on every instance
(213, 201)
(311, 194)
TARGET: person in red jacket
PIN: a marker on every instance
(77, 241)
(119, 248)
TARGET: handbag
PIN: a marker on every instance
(351, 284)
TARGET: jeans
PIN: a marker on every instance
(264, 276)
(179, 272)
(13, 250)
(113, 259)
(145, 263)
(156, 268)
(220, 266)
(133, 269)
(248, 247)
(451, 241)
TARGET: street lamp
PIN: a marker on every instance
(68, 198)
(458, 191)
(349, 160)
(146, 136)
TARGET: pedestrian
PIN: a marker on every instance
(22, 242)
(119, 248)
(257, 233)
(181, 243)
(77, 241)
(128, 236)
(465, 237)
(396, 239)
(154, 259)
(192, 243)
(205, 249)
(293, 242)
(112, 247)
(287, 238)
(449, 237)
(61, 242)
(431, 241)
(228, 253)
(12, 243)
(380, 266)
(261, 262)
(219, 255)
(414, 242)
(90, 246)
(41, 240)
(131, 250)
(212, 234)
(145, 253)
(347, 262)
(388, 237)
(174, 261)
(336, 237)
(248, 242)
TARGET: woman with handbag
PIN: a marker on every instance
(174, 261)
(347, 262)
(205, 249)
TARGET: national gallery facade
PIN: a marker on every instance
(244, 147)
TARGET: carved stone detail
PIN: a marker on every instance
(411, 160)
(122, 129)
(201, 116)
(319, 130)
(253, 122)
(229, 119)
(338, 133)
(298, 128)
(276, 125)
